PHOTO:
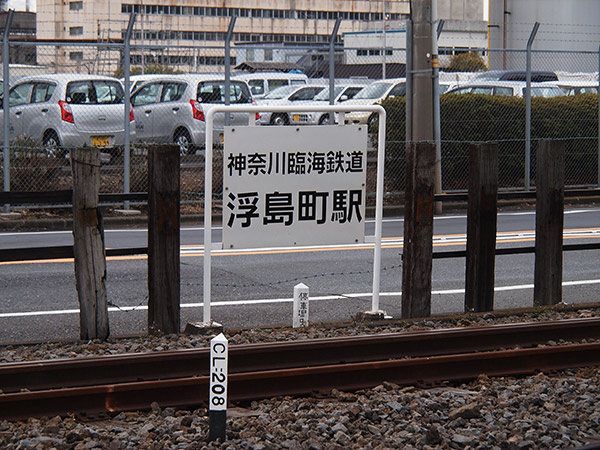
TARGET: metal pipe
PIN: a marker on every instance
(409, 83)
(384, 43)
(336, 28)
(127, 109)
(228, 65)
(5, 102)
(528, 108)
(437, 125)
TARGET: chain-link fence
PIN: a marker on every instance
(74, 95)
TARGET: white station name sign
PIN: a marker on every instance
(292, 186)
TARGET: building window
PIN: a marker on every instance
(76, 31)
(268, 54)
(75, 6)
(76, 56)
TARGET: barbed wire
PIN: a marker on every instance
(297, 279)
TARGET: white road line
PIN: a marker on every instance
(365, 295)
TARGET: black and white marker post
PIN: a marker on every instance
(217, 410)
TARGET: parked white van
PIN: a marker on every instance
(261, 83)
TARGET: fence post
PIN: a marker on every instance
(528, 108)
(550, 198)
(598, 117)
(418, 230)
(437, 122)
(481, 227)
(336, 27)
(127, 101)
(163, 239)
(5, 103)
(228, 65)
(88, 245)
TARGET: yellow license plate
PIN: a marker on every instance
(100, 141)
(222, 138)
(296, 118)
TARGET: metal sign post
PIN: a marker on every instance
(252, 110)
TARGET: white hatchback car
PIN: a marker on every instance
(173, 108)
(373, 94)
(261, 83)
(340, 94)
(283, 96)
(514, 88)
(61, 111)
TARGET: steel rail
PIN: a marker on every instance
(135, 367)
(193, 392)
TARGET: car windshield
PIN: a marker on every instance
(550, 91)
(281, 92)
(214, 92)
(94, 92)
(324, 94)
(373, 91)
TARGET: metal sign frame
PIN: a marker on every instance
(252, 110)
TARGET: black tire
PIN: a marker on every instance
(324, 119)
(52, 147)
(184, 141)
(279, 119)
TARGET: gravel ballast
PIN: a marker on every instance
(554, 410)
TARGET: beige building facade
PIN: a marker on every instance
(189, 35)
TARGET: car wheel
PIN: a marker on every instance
(51, 146)
(279, 119)
(184, 141)
(324, 119)
(371, 120)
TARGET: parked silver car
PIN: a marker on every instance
(340, 94)
(61, 111)
(514, 88)
(172, 108)
(373, 94)
(285, 95)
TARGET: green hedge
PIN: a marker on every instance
(472, 118)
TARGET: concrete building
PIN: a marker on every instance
(22, 29)
(565, 26)
(189, 34)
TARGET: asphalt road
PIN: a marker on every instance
(255, 287)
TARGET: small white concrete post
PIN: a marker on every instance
(300, 306)
(217, 409)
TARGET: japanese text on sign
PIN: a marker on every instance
(294, 163)
(294, 186)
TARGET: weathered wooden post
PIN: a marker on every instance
(163, 239)
(481, 227)
(418, 230)
(88, 245)
(549, 220)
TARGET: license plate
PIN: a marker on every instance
(100, 141)
(221, 137)
(296, 118)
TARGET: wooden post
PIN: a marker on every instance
(481, 227)
(163, 239)
(418, 230)
(88, 245)
(549, 215)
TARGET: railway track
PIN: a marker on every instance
(98, 386)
